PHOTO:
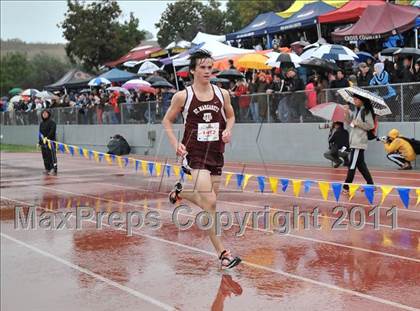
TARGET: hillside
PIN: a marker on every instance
(56, 50)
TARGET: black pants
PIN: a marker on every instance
(50, 158)
(357, 160)
(397, 158)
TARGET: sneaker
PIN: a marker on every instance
(406, 167)
(174, 194)
(337, 164)
(227, 261)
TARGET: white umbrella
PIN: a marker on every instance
(30, 92)
(118, 89)
(46, 95)
(98, 81)
(334, 52)
(378, 103)
(148, 68)
(278, 58)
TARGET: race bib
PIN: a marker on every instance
(208, 132)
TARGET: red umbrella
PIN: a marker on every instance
(146, 89)
(183, 72)
(329, 111)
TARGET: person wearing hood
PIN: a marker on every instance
(399, 150)
(47, 131)
(361, 121)
(381, 77)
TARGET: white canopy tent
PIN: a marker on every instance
(204, 37)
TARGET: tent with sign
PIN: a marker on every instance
(258, 27)
(348, 13)
(299, 4)
(380, 21)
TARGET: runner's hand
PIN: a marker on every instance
(226, 136)
(181, 150)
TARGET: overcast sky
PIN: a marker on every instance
(35, 21)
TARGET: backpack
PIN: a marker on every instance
(118, 145)
(414, 143)
(371, 134)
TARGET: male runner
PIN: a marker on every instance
(208, 119)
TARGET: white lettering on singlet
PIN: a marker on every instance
(206, 107)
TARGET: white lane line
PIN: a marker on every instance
(261, 267)
(90, 273)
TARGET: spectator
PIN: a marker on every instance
(381, 77)
(405, 74)
(310, 92)
(338, 141)
(231, 64)
(275, 88)
(364, 75)
(340, 81)
(243, 100)
(416, 71)
(47, 129)
(296, 100)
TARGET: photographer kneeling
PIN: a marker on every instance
(338, 142)
(399, 150)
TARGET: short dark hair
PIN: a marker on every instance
(197, 55)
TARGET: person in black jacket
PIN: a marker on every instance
(338, 141)
(47, 130)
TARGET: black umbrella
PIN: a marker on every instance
(319, 64)
(153, 79)
(413, 52)
(219, 80)
(416, 100)
(215, 70)
(231, 74)
(389, 51)
(162, 85)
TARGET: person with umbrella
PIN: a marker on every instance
(208, 119)
(361, 121)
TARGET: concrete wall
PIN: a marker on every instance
(294, 143)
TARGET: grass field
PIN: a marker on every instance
(17, 148)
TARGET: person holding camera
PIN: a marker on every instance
(361, 121)
(338, 141)
(399, 150)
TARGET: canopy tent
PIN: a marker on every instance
(74, 78)
(203, 37)
(257, 27)
(307, 16)
(350, 12)
(299, 4)
(117, 75)
(138, 53)
(380, 21)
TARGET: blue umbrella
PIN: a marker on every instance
(334, 52)
(98, 81)
(363, 56)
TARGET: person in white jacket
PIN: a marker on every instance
(361, 121)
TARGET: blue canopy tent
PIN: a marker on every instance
(258, 27)
(307, 16)
(117, 75)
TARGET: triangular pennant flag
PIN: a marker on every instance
(324, 187)
(151, 166)
(307, 185)
(182, 174)
(86, 153)
(119, 161)
(176, 170)
(261, 183)
(239, 179)
(337, 187)
(247, 177)
(137, 164)
(385, 191)
(296, 187)
(56, 145)
(71, 150)
(126, 161)
(369, 192)
(404, 196)
(113, 157)
(144, 167)
(189, 177)
(274, 182)
(386, 240)
(108, 158)
(90, 154)
(66, 148)
(61, 148)
(284, 184)
(49, 144)
(100, 157)
(418, 196)
(168, 170)
(228, 177)
(81, 152)
(352, 190)
(95, 156)
(158, 168)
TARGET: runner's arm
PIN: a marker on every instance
(230, 117)
(177, 104)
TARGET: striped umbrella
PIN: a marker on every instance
(276, 59)
(98, 81)
(378, 103)
(329, 111)
(334, 52)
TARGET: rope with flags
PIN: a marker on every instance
(151, 168)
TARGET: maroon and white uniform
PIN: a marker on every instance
(204, 123)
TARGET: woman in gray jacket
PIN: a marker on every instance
(361, 121)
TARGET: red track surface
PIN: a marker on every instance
(105, 269)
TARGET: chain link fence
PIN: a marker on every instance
(285, 107)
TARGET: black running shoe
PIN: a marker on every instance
(174, 194)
